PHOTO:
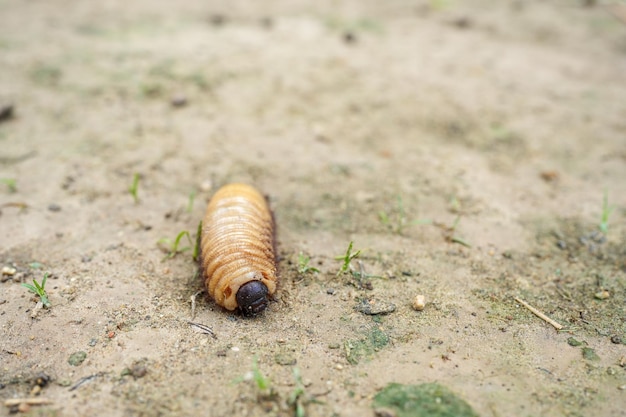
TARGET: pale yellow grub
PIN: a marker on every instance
(237, 243)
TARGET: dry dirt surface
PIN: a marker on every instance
(466, 148)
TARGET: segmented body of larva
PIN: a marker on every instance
(237, 244)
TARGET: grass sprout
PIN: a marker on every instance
(197, 247)
(606, 212)
(261, 381)
(174, 248)
(303, 265)
(347, 258)
(134, 187)
(39, 289)
(399, 220)
(10, 183)
(296, 397)
(453, 237)
(192, 197)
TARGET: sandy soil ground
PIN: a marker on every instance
(464, 147)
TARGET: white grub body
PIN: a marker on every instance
(237, 243)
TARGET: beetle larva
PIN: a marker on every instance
(237, 247)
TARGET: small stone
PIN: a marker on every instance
(349, 37)
(54, 207)
(218, 20)
(616, 339)
(419, 302)
(330, 291)
(77, 358)
(285, 359)
(138, 370)
(602, 295)
(8, 270)
(373, 307)
(611, 371)
(267, 22)
(549, 176)
(178, 101)
(6, 111)
(42, 379)
(93, 342)
(384, 412)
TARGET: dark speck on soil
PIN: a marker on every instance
(6, 111)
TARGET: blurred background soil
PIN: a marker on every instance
(465, 148)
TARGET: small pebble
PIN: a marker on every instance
(138, 370)
(267, 22)
(9, 271)
(349, 37)
(419, 302)
(602, 295)
(330, 291)
(384, 412)
(285, 359)
(217, 19)
(616, 339)
(54, 207)
(178, 101)
(6, 111)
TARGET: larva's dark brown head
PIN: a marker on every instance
(252, 298)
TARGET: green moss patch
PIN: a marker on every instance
(425, 400)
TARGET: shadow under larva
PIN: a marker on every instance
(237, 247)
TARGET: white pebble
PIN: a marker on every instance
(419, 302)
(7, 270)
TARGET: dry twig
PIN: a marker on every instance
(12, 402)
(203, 328)
(539, 314)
